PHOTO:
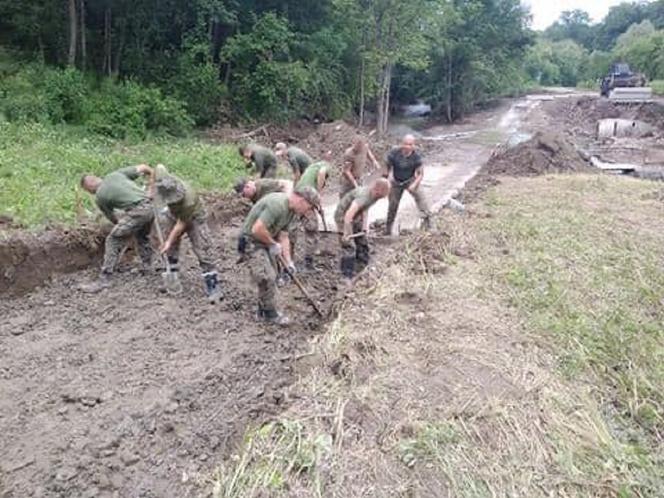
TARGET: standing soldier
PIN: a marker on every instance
(129, 208)
(352, 219)
(262, 158)
(255, 190)
(315, 177)
(264, 242)
(186, 214)
(297, 159)
(354, 162)
(405, 172)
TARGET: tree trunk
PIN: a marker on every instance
(84, 48)
(71, 59)
(362, 70)
(448, 104)
(384, 99)
(118, 53)
(107, 42)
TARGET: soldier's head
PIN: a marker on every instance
(304, 200)
(380, 188)
(90, 183)
(280, 149)
(246, 188)
(245, 151)
(408, 144)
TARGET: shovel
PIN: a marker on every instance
(170, 278)
(299, 285)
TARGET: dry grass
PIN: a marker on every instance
(446, 375)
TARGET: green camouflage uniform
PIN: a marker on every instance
(264, 161)
(309, 222)
(275, 214)
(268, 186)
(298, 159)
(184, 204)
(360, 253)
(127, 206)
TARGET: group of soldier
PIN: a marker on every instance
(281, 208)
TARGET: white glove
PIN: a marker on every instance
(275, 249)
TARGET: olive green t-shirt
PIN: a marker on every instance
(118, 191)
(266, 186)
(181, 199)
(264, 160)
(298, 159)
(310, 176)
(273, 211)
(361, 195)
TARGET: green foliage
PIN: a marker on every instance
(40, 166)
(657, 87)
(130, 110)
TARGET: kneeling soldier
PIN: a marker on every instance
(264, 242)
(352, 219)
(186, 214)
(128, 207)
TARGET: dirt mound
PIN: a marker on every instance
(543, 154)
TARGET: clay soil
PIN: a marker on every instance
(132, 392)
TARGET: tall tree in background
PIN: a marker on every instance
(73, 30)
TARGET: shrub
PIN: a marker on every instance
(657, 87)
(66, 92)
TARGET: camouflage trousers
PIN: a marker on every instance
(358, 247)
(396, 192)
(263, 269)
(199, 236)
(309, 224)
(135, 221)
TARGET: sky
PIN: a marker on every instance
(546, 12)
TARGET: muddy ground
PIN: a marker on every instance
(136, 393)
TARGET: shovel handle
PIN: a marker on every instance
(301, 287)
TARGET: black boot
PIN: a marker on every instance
(309, 264)
(274, 317)
(212, 286)
(348, 266)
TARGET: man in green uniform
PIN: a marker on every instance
(129, 208)
(262, 158)
(405, 172)
(264, 242)
(297, 159)
(315, 176)
(186, 214)
(255, 190)
(354, 165)
(352, 218)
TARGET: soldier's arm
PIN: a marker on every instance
(372, 158)
(260, 233)
(348, 219)
(348, 171)
(285, 247)
(419, 174)
(176, 233)
(321, 178)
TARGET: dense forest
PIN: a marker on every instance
(123, 67)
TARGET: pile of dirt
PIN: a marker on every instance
(543, 154)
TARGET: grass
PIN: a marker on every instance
(40, 167)
(517, 353)
(657, 87)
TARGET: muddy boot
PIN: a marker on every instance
(274, 317)
(103, 282)
(309, 266)
(212, 288)
(348, 266)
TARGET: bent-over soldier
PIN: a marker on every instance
(130, 210)
(352, 220)
(186, 214)
(261, 158)
(298, 160)
(255, 190)
(265, 244)
(315, 176)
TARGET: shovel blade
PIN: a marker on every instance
(171, 282)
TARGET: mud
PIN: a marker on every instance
(136, 393)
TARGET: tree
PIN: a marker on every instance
(573, 25)
(73, 30)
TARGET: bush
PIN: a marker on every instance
(20, 100)
(129, 109)
(67, 93)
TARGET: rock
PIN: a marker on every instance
(66, 474)
(129, 459)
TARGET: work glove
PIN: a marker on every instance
(291, 269)
(242, 244)
(275, 249)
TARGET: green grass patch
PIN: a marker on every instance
(40, 167)
(657, 87)
(584, 266)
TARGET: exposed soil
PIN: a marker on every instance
(133, 392)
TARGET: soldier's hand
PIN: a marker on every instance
(291, 269)
(275, 249)
(166, 246)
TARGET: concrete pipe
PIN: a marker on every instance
(608, 128)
